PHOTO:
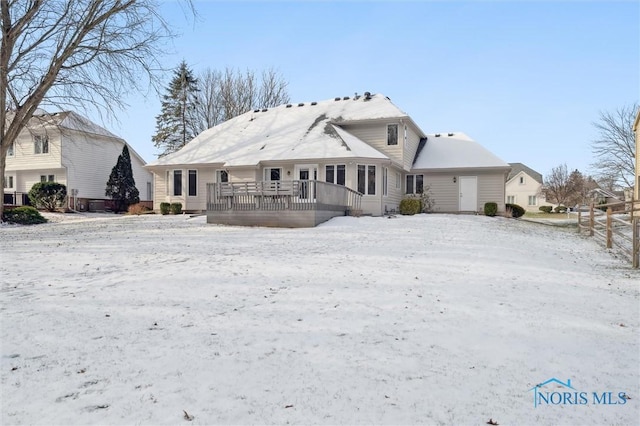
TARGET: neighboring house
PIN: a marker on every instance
(602, 196)
(322, 153)
(67, 148)
(524, 188)
(636, 130)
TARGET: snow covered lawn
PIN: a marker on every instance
(430, 319)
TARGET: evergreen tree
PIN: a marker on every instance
(121, 186)
(175, 124)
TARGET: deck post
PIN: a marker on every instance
(609, 229)
(635, 250)
(591, 219)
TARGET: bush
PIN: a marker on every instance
(24, 215)
(164, 208)
(516, 210)
(48, 195)
(176, 208)
(410, 206)
(545, 209)
(490, 208)
(137, 209)
(560, 209)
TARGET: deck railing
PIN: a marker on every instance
(282, 195)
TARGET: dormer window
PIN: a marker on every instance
(392, 134)
(40, 144)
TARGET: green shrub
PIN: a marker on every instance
(410, 206)
(24, 215)
(176, 208)
(516, 210)
(164, 208)
(545, 209)
(48, 195)
(560, 209)
(490, 208)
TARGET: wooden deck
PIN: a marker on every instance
(297, 203)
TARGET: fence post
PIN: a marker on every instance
(635, 250)
(591, 219)
(579, 219)
(609, 230)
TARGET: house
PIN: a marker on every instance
(358, 154)
(636, 130)
(67, 148)
(524, 188)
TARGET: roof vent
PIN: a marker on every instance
(314, 103)
(346, 98)
(437, 135)
(449, 134)
(301, 104)
(336, 99)
(288, 105)
(264, 110)
(367, 96)
(256, 110)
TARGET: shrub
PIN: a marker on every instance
(48, 195)
(176, 208)
(24, 215)
(490, 208)
(164, 208)
(545, 209)
(137, 209)
(426, 200)
(560, 209)
(410, 206)
(516, 210)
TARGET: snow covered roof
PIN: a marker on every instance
(454, 151)
(287, 132)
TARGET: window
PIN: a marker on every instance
(149, 191)
(415, 184)
(405, 134)
(532, 200)
(8, 182)
(521, 180)
(392, 134)
(47, 178)
(193, 183)
(167, 182)
(335, 174)
(40, 144)
(177, 182)
(367, 179)
(272, 173)
(398, 180)
(10, 151)
(385, 178)
(222, 176)
(511, 199)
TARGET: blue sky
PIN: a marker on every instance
(524, 79)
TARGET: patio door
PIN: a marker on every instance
(307, 175)
(468, 193)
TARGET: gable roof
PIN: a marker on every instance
(288, 132)
(455, 151)
(519, 167)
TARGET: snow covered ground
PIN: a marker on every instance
(430, 319)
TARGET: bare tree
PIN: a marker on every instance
(84, 54)
(558, 186)
(615, 146)
(224, 95)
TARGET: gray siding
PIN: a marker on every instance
(446, 192)
(375, 134)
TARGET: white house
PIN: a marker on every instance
(363, 144)
(524, 188)
(67, 148)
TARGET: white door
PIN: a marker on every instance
(305, 174)
(468, 193)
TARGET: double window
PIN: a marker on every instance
(511, 199)
(47, 178)
(367, 179)
(415, 184)
(532, 200)
(335, 174)
(8, 182)
(392, 134)
(40, 144)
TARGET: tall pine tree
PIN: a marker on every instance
(175, 124)
(121, 186)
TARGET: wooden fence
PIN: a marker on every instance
(620, 228)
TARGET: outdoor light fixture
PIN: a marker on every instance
(288, 172)
(455, 179)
